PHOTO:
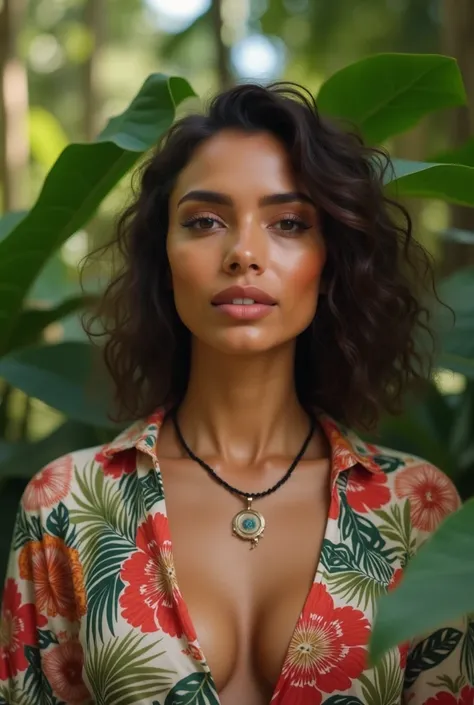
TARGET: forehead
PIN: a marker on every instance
(233, 160)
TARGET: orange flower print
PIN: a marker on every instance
(49, 486)
(56, 572)
(62, 667)
(327, 650)
(151, 600)
(432, 496)
(18, 624)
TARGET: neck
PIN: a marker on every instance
(242, 408)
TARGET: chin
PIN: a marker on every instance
(245, 341)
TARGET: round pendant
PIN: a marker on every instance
(249, 524)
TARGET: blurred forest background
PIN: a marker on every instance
(67, 66)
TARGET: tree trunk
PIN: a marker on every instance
(14, 143)
(222, 50)
(457, 41)
(94, 19)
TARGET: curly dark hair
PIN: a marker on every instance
(360, 352)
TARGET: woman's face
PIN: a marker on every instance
(238, 218)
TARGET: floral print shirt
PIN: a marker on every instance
(92, 612)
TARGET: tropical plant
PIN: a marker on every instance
(382, 96)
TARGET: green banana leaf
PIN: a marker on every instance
(68, 376)
(76, 185)
(386, 94)
(436, 587)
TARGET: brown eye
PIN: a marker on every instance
(205, 223)
(202, 223)
(289, 225)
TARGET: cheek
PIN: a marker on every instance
(188, 268)
(304, 277)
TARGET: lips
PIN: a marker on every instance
(245, 295)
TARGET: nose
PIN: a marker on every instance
(246, 251)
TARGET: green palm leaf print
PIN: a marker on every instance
(107, 534)
(430, 652)
(383, 685)
(345, 577)
(120, 672)
(368, 546)
(468, 651)
(397, 528)
(195, 689)
(356, 588)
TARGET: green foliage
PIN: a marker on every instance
(121, 671)
(412, 609)
(78, 182)
(383, 96)
(195, 689)
(453, 183)
(387, 94)
(64, 376)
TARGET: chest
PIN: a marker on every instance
(244, 604)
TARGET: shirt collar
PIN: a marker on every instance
(347, 449)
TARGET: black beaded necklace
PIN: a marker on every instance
(248, 524)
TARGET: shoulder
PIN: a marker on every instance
(87, 470)
(66, 477)
(430, 493)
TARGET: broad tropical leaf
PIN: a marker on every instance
(32, 322)
(9, 221)
(123, 671)
(453, 183)
(76, 185)
(430, 652)
(195, 689)
(343, 700)
(23, 460)
(461, 155)
(67, 376)
(387, 94)
(411, 609)
(457, 342)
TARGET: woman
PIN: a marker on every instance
(265, 301)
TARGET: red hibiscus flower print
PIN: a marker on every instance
(327, 650)
(151, 600)
(432, 496)
(62, 667)
(465, 697)
(122, 463)
(57, 574)
(18, 625)
(49, 486)
(364, 491)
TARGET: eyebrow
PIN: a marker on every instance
(222, 199)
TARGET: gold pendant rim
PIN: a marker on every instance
(255, 535)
